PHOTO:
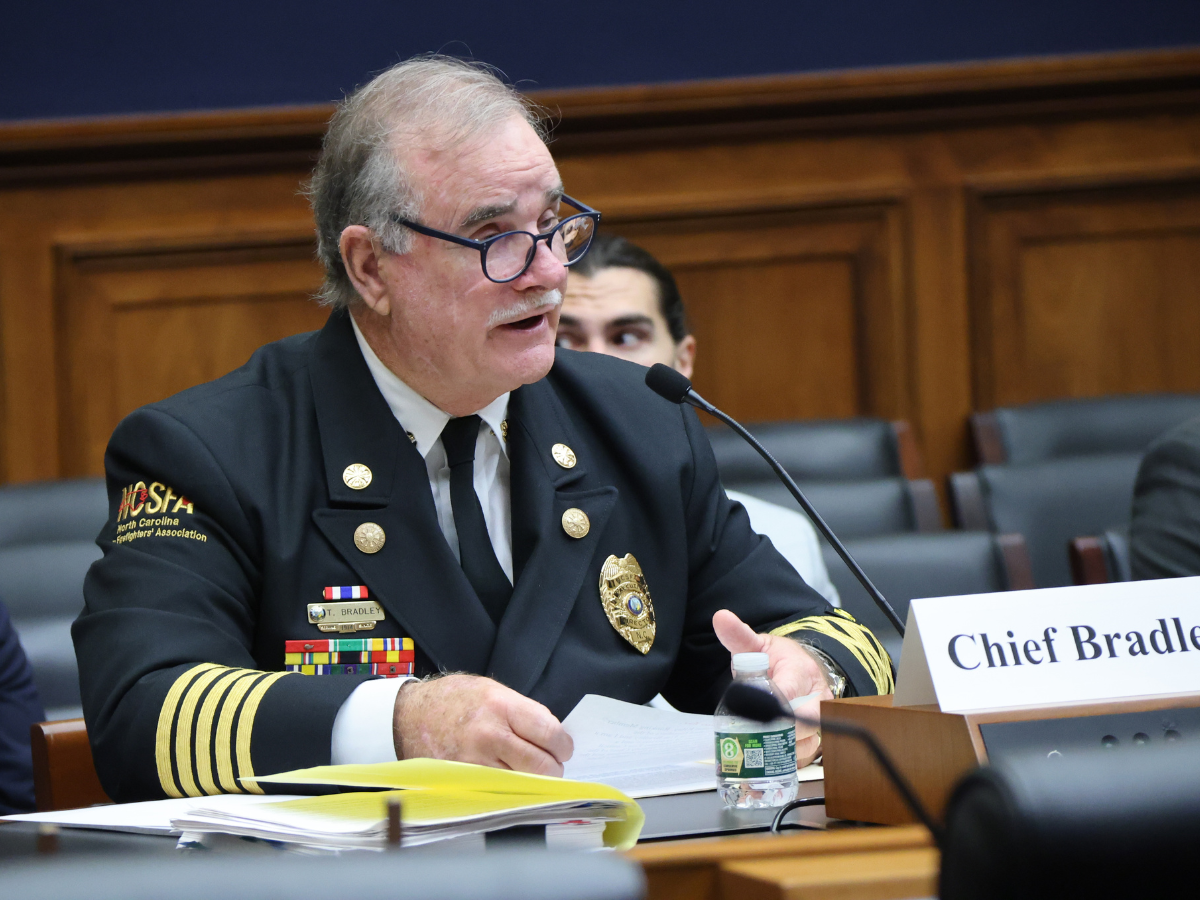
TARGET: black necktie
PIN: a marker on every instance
(474, 546)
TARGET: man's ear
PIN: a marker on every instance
(362, 256)
(685, 356)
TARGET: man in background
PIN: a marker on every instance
(1165, 532)
(623, 302)
(19, 708)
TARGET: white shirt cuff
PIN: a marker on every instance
(362, 730)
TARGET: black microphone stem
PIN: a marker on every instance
(700, 403)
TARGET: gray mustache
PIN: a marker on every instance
(526, 307)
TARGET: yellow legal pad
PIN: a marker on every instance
(433, 791)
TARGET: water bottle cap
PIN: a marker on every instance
(751, 662)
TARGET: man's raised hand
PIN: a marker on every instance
(792, 668)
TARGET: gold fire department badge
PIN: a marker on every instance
(627, 601)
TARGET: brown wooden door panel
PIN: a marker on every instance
(797, 314)
(137, 327)
(1079, 297)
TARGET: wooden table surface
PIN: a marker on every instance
(846, 864)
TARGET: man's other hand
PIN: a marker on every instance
(477, 720)
(793, 669)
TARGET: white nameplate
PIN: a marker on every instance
(1052, 646)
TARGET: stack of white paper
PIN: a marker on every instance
(644, 751)
(359, 820)
(148, 817)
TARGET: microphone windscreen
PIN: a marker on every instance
(668, 383)
(1119, 822)
(751, 703)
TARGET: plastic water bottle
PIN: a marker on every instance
(756, 761)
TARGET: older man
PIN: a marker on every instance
(623, 302)
(425, 470)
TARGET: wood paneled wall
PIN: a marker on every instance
(916, 243)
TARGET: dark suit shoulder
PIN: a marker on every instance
(1166, 506)
(611, 388)
(1181, 440)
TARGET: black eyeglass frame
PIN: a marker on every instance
(585, 212)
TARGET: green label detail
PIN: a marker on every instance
(763, 754)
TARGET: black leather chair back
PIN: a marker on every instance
(1116, 554)
(1050, 503)
(906, 567)
(834, 450)
(47, 542)
(858, 508)
(1042, 431)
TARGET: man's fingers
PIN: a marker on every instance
(532, 722)
(735, 635)
(807, 749)
(809, 712)
(522, 756)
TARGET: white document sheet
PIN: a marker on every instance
(643, 751)
(149, 817)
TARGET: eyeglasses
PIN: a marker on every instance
(506, 257)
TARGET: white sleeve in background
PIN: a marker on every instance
(362, 729)
(794, 537)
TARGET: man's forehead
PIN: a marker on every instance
(484, 175)
(612, 293)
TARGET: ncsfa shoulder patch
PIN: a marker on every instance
(154, 510)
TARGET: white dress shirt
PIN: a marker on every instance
(793, 536)
(362, 729)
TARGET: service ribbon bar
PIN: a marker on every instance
(387, 670)
(347, 592)
(348, 645)
(377, 656)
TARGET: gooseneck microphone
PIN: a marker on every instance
(674, 386)
(749, 702)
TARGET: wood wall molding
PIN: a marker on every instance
(915, 243)
(593, 118)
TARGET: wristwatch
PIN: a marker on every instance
(832, 672)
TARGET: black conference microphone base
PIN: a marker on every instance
(674, 386)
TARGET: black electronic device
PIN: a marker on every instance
(1062, 737)
(674, 386)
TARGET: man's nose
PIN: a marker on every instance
(546, 270)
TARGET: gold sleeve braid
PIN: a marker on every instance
(202, 696)
(845, 629)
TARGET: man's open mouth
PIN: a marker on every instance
(526, 324)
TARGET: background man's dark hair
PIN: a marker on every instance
(609, 251)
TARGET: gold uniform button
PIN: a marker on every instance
(357, 476)
(369, 537)
(563, 455)
(576, 523)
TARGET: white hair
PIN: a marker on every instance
(360, 177)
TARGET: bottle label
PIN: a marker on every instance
(759, 754)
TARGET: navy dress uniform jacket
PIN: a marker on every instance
(229, 515)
